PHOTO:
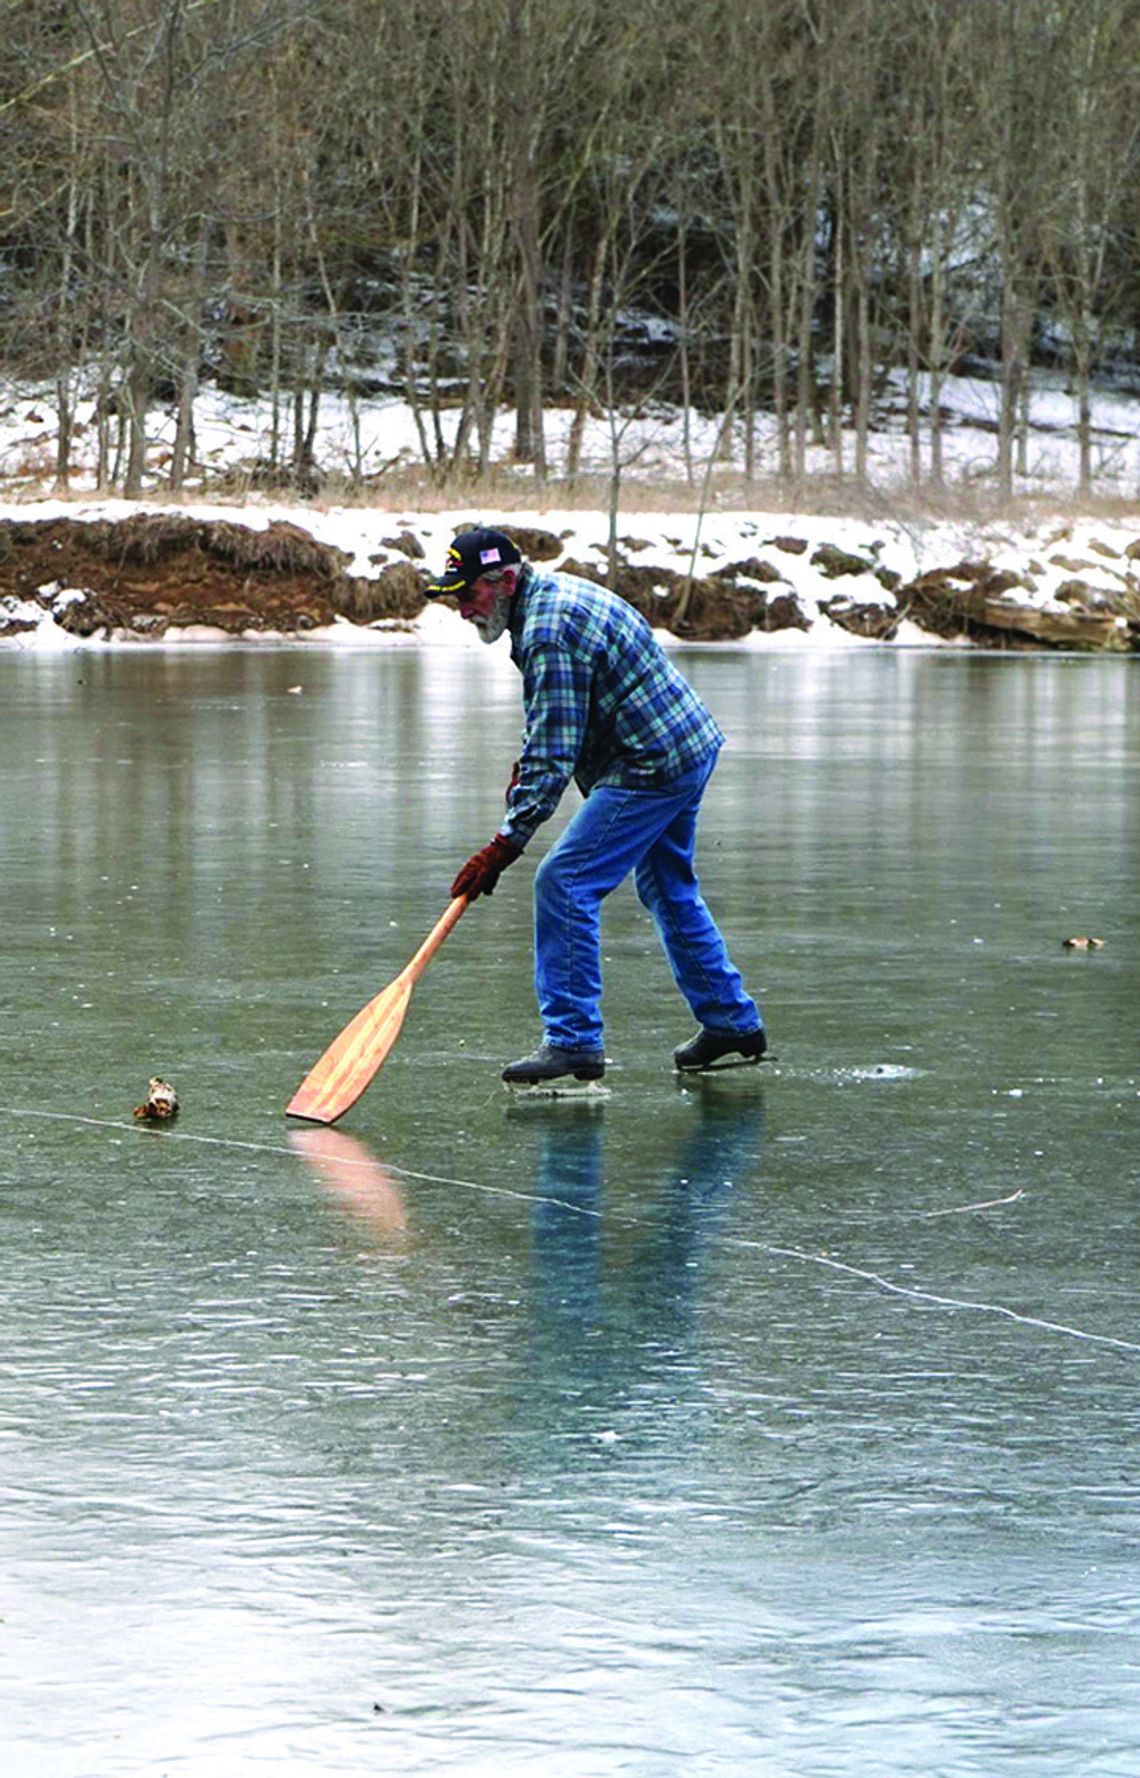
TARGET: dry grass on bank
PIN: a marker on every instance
(505, 490)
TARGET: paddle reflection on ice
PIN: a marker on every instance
(353, 1177)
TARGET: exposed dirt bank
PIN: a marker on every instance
(151, 574)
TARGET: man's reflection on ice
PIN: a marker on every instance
(619, 1240)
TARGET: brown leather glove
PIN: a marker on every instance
(514, 779)
(483, 869)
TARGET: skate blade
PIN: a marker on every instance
(572, 1092)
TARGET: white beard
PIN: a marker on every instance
(491, 627)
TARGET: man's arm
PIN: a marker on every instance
(556, 692)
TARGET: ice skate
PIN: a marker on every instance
(714, 1049)
(558, 1073)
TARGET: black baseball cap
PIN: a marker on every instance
(471, 554)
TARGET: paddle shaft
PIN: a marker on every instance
(447, 920)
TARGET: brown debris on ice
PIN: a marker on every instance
(160, 1104)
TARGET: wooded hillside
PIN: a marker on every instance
(731, 204)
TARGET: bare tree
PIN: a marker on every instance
(448, 199)
(1097, 131)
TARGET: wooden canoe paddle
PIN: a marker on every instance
(336, 1082)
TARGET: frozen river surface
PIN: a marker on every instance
(782, 1423)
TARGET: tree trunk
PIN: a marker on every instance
(683, 328)
(805, 376)
(1023, 416)
(865, 373)
(776, 292)
(937, 356)
(188, 382)
(587, 376)
(561, 365)
(530, 444)
(914, 325)
(64, 326)
(1010, 385)
(835, 404)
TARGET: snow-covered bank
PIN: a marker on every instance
(806, 581)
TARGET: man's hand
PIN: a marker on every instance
(483, 870)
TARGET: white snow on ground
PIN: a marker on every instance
(232, 433)
(970, 442)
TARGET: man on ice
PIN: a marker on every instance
(604, 706)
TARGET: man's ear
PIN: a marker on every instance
(510, 581)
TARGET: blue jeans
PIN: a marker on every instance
(652, 833)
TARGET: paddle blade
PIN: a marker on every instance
(336, 1082)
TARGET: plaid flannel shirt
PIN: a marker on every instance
(604, 704)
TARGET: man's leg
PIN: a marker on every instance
(610, 834)
(667, 884)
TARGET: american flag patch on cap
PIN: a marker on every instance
(489, 555)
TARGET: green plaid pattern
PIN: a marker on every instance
(604, 704)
